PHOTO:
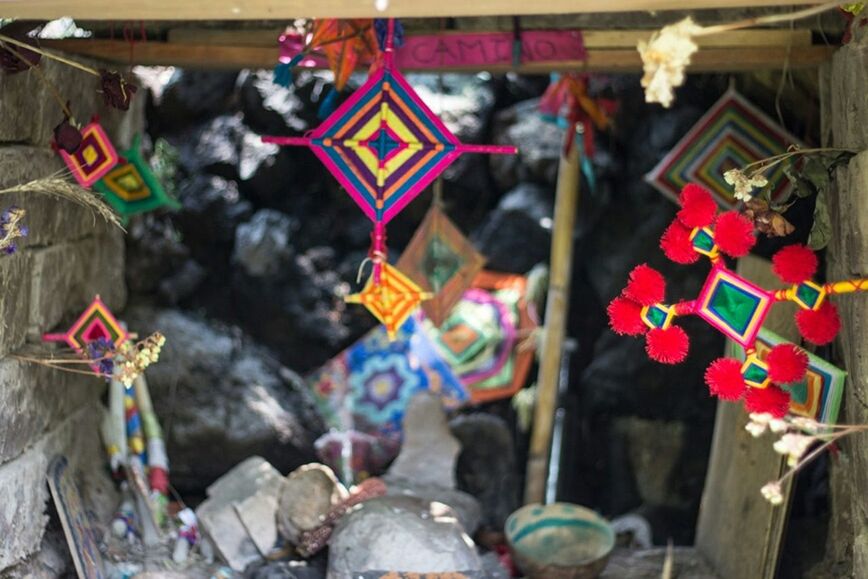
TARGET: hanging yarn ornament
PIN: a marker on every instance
(733, 234)
(787, 363)
(698, 207)
(625, 317)
(381, 27)
(667, 346)
(677, 245)
(769, 400)
(795, 264)
(328, 104)
(283, 70)
(819, 326)
(724, 379)
(646, 285)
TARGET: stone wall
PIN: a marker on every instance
(845, 122)
(70, 256)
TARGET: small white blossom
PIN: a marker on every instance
(742, 184)
(761, 417)
(756, 429)
(806, 424)
(794, 446)
(664, 58)
(777, 425)
(772, 493)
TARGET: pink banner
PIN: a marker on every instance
(471, 50)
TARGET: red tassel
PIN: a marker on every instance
(733, 234)
(724, 379)
(795, 264)
(646, 286)
(787, 363)
(667, 346)
(625, 317)
(676, 244)
(770, 400)
(698, 207)
(819, 326)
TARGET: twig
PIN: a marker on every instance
(769, 19)
(50, 55)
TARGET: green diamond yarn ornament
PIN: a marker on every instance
(131, 187)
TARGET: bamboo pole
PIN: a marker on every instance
(557, 309)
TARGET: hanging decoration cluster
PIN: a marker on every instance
(384, 146)
(731, 304)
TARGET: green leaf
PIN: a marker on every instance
(817, 173)
(838, 160)
(821, 232)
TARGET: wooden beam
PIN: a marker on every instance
(267, 37)
(208, 56)
(121, 10)
(555, 329)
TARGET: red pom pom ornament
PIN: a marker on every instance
(625, 317)
(646, 286)
(676, 244)
(819, 326)
(724, 379)
(698, 207)
(667, 346)
(795, 264)
(770, 400)
(787, 363)
(733, 234)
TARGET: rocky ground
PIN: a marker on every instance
(247, 281)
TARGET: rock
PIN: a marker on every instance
(238, 515)
(539, 145)
(262, 244)
(400, 533)
(182, 283)
(222, 398)
(307, 496)
(465, 505)
(288, 570)
(486, 467)
(516, 235)
(428, 451)
(190, 95)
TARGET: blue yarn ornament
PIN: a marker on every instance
(283, 71)
(328, 104)
(381, 26)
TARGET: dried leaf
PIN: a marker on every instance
(816, 173)
(117, 92)
(821, 232)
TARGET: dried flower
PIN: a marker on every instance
(133, 359)
(664, 58)
(767, 220)
(67, 136)
(101, 351)
(743, 184)
(778, 425)
(772, 493)
(18, 59)
(11, 229)
(794, 446)
(116, 90)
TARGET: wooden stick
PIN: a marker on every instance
(557, 309)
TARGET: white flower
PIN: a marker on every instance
(756, 429)
(742, 184)
(794, 446)
(772, 493)
(806, 424)
(664, 58)
(761, 417)
(777, 425)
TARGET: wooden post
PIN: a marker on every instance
(561, 261)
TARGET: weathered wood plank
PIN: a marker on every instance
(207, 56)
(739, 532)
(287, 9)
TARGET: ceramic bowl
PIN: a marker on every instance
(559, 541)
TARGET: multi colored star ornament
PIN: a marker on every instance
(732, 134)
(95, 324)
(817, 395)
(731, 304)
(442, 261)
(131, 187)
(94, 157)
(392, 300)
(384, 146)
